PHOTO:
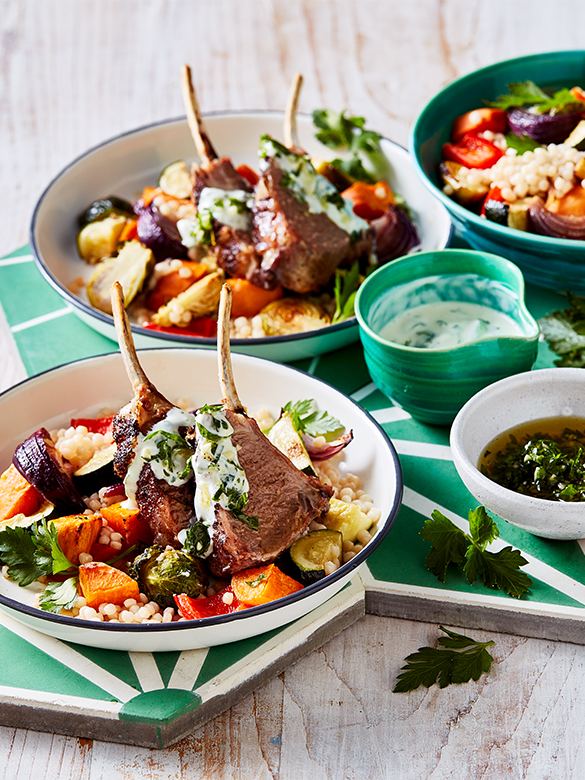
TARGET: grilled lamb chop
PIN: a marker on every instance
(166, 508)
(300, 248)
(234, 250)
(282, 498)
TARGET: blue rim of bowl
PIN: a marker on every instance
(464, 252)
(307, 591)
(451, 205)
(193, 341)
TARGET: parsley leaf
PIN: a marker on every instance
(345, 290)
(521, 143)
(59, 595)
(457, 660)
(308, 419)
(500, 570)
(565, 333)
(527, 93)
(367, 161)
(18, 551)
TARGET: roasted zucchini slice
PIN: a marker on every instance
(348, 519)
(462, 192)
(292, 315)
(287, 439)
(316, 554)
(97, 472)
(130, 267)
(99, 239)
(175, 180)
(100, 209)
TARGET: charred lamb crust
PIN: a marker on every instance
(125, 432)
(234, 250)
(284, 499)
(218, 173)
(166, 508)
(300, 248)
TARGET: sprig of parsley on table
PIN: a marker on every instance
(450, 545)
(345, 290)
(565, 333)
(527, 93)
(457, 660)
(308, 419)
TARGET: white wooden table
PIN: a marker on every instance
(75, 72)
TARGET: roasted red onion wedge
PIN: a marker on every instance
(395, 235)
(330, 449)
(43, 467)
(160, 234)
(547, 223)
(544, 128)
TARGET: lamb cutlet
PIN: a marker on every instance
(303, 229)
(280, 501)
(167, 508)
(219, 190)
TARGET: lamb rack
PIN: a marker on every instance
(303, 229)
(281, 499)
(215, 178)
(167, 508)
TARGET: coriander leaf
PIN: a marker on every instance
(49, 554)
(339, 131)
(59, 595)
(354, 168)
(449, 544)
(521, 143)
(498, 570)
(482, 528)
(527, 93)
(19, 552)
(463, 660)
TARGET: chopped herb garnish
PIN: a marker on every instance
(450, 545)
(59, 595)
(173, 453)
(458, 659)
(259, 579)
(541, 465)
(308, 419)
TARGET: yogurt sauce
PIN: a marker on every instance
(229, 207)
(164, 450)
(219, 477)
(447, 324)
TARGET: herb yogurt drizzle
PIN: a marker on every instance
(219, 477)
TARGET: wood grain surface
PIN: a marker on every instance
(76, 72)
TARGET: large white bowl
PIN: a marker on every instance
(85, 387)
(533, 395)
(125, 165)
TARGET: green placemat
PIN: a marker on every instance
(142, 694)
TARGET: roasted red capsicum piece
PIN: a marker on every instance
(195, 609)
(472, 152)
(479, 120)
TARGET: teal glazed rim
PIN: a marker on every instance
(433, 385)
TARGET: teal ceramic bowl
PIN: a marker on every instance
(557, 264)
(433, 384)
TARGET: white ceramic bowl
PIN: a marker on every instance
(124, 165)
(533, 395)
(84, 388)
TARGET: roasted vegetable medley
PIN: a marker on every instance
(293, 239)
(67, 519)
(520, 161)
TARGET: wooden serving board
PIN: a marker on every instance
(155, 699)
